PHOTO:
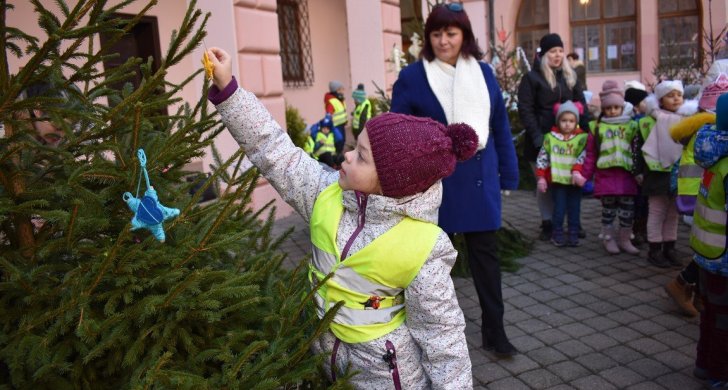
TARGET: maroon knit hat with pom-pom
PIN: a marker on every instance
(412, 153)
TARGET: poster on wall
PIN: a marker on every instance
(612, 52)
(593, 53)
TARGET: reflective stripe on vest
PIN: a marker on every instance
(370, 282)
(563, 155)
(309, 145)
(615, 145)
(708, 234)
(366, 104)
(646, 125)
(689, 174)
(339, 115)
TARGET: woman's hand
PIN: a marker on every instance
(222, 74)
(577, 179)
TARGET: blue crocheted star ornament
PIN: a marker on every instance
(148, 212)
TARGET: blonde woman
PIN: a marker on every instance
(551, 81)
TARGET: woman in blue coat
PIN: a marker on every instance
(451, 85)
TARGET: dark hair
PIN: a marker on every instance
(442, 17)
(573, 56)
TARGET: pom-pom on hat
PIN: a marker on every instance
(568, 106)
(611, 94)
(412, 153)
(667, 86)
(712, 92)
(549, 41)
(721, 113)
(334, 85)
(359, 95)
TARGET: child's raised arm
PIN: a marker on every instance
(296, 176)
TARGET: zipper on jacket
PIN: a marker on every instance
(391, 358)
(361, 201)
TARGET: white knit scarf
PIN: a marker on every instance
(462, 93)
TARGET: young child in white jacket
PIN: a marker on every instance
(374, 228)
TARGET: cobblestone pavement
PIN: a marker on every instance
(580, 318)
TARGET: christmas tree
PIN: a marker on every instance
(86, 301)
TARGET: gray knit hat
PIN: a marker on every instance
(334, 85)
(567, 106)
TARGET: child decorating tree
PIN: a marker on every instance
(708, 240)
(652, 168)
(609, 153)
(373, 229)
(558, 164)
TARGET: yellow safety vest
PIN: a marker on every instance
(365, 105)
(615, 144)
(339, 115)
(327, 143)
(371, 282)
(563, 155)
(309, 145)
(689, 173)
(708, 234)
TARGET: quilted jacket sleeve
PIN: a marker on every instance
(297, 177)
(436, 321)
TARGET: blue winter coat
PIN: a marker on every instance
(471, 200)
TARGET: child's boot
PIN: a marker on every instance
(573, 237)
(546, 230)
(625, 241)
(557, 236)
(610, 244)
(668, 251)
(655, 256)
(682, 294)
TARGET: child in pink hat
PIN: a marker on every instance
(376, 245)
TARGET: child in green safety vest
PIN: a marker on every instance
(709, 241)
(382, 263)
(324, 148)
(558, 166)
(652, 167)
(682, 289)
(609, 157)
(362, 112)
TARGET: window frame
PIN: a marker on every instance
(602, 22)
(697, 11)
(303, 76)
(530, 28)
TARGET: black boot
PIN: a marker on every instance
(546, 230)
(496, 340)
(656, 257)
(668, 251)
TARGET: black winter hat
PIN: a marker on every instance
(635, 96)
(549, 41)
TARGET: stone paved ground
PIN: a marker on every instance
(582, 319)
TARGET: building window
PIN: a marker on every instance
(604, 34)
(680, 32)
(142, 42)
(532, 24)
(295, 43)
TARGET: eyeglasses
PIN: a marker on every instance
(454, 7)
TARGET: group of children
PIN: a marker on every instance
(674, 153)
(326, 138)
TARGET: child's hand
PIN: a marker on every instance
(577, 179)
(639, 178)
(223, 71)
(542, 185)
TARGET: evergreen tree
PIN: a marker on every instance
(88, 303)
